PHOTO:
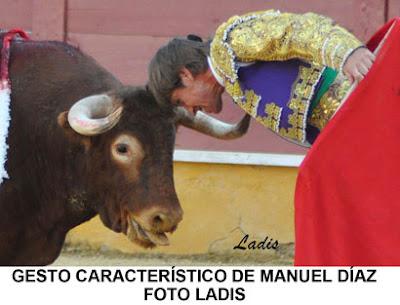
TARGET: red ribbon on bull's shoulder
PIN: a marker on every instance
(5, 55)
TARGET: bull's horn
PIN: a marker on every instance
(94, 114)
(211, 126)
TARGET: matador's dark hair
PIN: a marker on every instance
(194, 37)
(164, 68)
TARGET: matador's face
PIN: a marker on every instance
(199, 92)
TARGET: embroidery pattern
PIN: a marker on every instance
(272, 111)
(274, 36)
(273, 118)
(329, 103)
(250, 103)
(299, 103)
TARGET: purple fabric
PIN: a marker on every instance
(311, 133)
(273, 81)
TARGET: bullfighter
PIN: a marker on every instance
(288, 71)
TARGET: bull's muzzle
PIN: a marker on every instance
(149, 227)
(160, 220)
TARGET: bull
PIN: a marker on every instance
(82, 144)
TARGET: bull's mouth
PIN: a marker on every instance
(145, 238)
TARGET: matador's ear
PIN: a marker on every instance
(194, 37)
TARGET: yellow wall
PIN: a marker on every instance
(220, 202)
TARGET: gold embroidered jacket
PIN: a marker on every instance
(274, 36)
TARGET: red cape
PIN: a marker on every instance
(347, 202)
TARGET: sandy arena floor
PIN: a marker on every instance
(85, 256)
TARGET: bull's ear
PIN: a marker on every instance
(71, 135)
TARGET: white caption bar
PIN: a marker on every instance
(199, 285)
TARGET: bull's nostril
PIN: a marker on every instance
(163, 222)
(158, 219)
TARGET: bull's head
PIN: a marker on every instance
(129, 144)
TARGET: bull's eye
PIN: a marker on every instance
(128, 153)
(122, 148)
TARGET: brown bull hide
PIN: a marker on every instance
(59, 178)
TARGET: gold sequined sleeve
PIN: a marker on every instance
(271, 35)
